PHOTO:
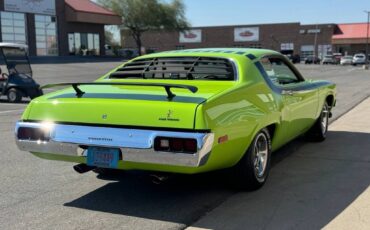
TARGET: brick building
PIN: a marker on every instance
(288, 38)
(56, 27)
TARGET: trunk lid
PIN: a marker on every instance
(126, 105)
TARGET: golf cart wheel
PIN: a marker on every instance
(14, 95)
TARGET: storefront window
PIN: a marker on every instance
(13, 27)
(324, 50)
(84, 44)
(46, 35)
(307, 50)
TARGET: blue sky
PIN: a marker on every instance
(234, 12)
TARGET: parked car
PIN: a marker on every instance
(189, 111)
(336, 58)
(359, 59)
(346, 60)
(17, 82)
(295, 58)
(312, 60)
(328, 59)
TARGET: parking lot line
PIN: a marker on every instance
(11, 111)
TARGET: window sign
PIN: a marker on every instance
(31, 6)
(314, 31)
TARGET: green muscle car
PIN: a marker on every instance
(188, 111)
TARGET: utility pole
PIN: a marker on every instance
(315, 42)
(367, 36)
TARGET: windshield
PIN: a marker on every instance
(178, 68)
(17, 61)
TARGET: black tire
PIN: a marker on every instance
(247, 174)
(14, 95)
(319, 130)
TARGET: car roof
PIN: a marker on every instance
(12, 45)
(215, 52)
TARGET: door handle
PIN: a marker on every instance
(287, 92)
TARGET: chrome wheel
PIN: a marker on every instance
(253, 169)
(324, 119)
(261, 153)
(12, 96)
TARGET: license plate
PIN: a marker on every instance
(102, 157)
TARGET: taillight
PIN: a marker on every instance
(33, 134)
(180, 145)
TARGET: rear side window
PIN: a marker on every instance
(278, 72)
(178, 68)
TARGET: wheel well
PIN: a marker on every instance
(271, 128)
(13, 87)
(330, 100)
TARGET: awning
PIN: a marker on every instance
(90, 12)
(353, 33)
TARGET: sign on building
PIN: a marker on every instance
(246, 34)
(191, 36)
(286, 46)
(31, 6)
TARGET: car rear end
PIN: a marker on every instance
(139, 126)
(346, 60)
(328, 59)
(359, 59)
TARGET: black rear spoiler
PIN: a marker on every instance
(167, 87)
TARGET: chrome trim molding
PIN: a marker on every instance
(136, 145)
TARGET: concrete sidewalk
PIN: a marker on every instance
(321, 185)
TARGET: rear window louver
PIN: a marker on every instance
(191, 68)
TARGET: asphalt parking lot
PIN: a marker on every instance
(39, 194)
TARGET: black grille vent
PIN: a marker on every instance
(191, 68)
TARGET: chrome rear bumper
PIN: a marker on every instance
(136, 145)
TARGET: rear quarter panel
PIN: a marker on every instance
(238, 113)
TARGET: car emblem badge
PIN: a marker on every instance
(104, 116)
(169, 117)
(169, 113)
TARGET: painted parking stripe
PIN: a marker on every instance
(11, 111)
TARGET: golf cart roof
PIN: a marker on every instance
(12, 45)
(16, 58)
